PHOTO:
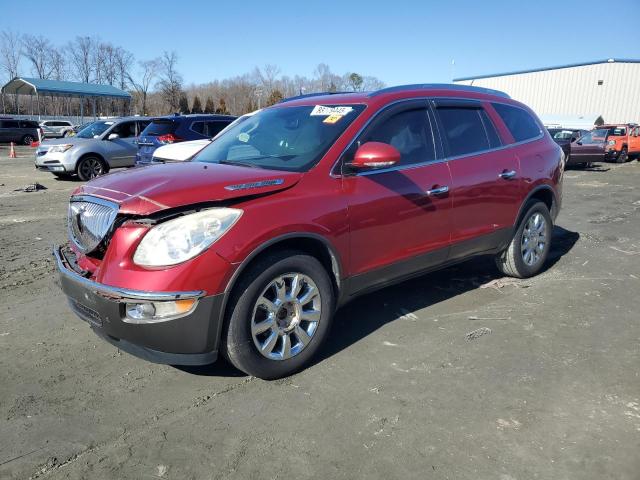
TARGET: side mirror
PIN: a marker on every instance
(113, 136)
(375, 155)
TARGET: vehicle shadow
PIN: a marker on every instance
(594, 168)
(368, 313)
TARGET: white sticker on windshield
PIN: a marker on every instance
(326, 111)
(243, 137)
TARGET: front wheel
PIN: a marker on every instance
(529, 248)
(90, 167)
(622, 157)
(279, 315)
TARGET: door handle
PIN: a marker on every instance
(508, 174)
(438, 191)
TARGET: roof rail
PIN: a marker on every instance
(316, 94)
(439, 86)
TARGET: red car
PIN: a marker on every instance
(249, 249)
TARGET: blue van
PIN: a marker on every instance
(177, 128)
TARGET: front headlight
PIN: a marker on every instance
(60, 148)
(612, 142)
(180, 239)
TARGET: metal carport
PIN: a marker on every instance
(58, 88)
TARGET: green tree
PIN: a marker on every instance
(209, 106)
(275, 97)
(355, 81)
(222, 107)
(183, 105)
(197, 106)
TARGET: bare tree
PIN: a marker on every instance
(124, 59)
(149, 71)
(10, 52)
(81, 52)
(59, 67)
(171, 81)
(37, 50)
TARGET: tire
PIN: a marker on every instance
(257, 313)
(65, 134)
(519, 261)
(27, 139)
(623, 156)
(90, 167)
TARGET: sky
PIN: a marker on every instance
(399, 42)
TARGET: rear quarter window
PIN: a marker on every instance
(519, 122)
(160, 127)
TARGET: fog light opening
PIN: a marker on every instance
(150, 312)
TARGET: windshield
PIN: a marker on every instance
(282, 138)
(94, 129)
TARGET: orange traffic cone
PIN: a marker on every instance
(12, 152)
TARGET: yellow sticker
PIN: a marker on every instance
(332, 118)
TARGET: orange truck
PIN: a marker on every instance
(623, 142)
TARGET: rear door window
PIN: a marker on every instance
(467, 130)
(158, 128)
(9, 124)
(519, 122)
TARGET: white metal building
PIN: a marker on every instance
(609, 88)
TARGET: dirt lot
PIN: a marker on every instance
(550, 391)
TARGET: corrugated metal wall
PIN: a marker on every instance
(575, 90)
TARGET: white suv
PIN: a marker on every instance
(56, 128)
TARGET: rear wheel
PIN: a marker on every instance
(622, 157)
(529, 248)
(279, 315)
(90, 167)
(27, 140)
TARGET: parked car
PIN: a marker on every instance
(589, 148)
(22, 132)
(623, 142)
(56, 128)
(95, 150)
(178, 128)
(564, 137)
(183, 151)
(248, 249)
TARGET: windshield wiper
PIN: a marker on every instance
(241, 164)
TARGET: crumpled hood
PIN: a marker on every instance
(146, 190)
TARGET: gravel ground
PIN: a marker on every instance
(459, 374)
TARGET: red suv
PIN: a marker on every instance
(249, 249)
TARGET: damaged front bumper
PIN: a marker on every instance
(186, 339)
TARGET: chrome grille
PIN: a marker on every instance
(89, 220)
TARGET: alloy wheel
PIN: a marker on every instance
(285, 316)
(534, 239)
(91, 168)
